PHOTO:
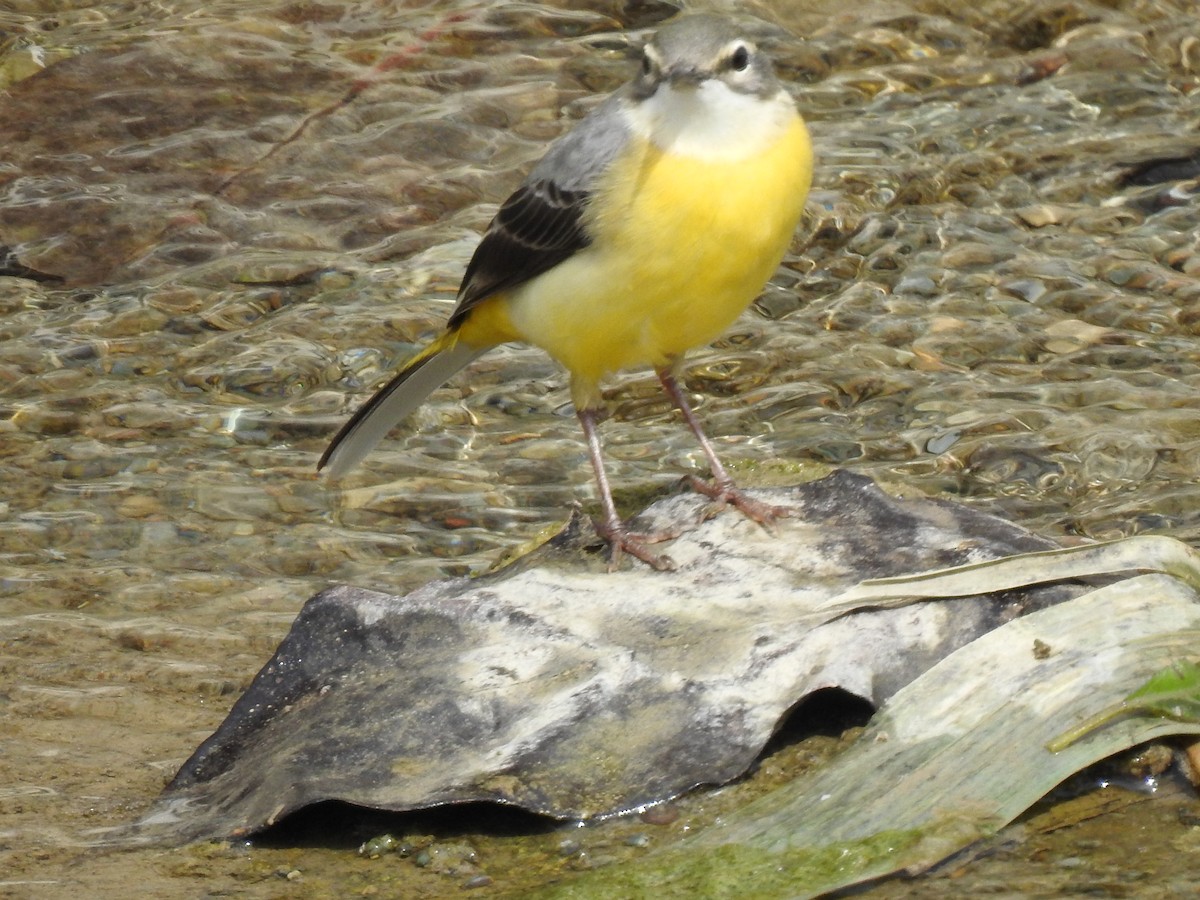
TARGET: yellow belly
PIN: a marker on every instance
(681, 246)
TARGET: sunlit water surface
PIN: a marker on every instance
(228, 221)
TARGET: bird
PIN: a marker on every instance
(641, 234)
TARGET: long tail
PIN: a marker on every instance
(421, 376)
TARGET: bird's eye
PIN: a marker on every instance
(740, 59)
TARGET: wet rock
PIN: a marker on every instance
(568, 691)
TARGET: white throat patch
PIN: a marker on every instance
(710, 121)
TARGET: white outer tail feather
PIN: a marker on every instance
(391, 405)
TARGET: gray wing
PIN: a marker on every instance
(541, 224)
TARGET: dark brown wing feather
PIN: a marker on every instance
(537, 228)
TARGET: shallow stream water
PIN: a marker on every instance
(226, 222)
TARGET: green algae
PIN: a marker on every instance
(742, 871)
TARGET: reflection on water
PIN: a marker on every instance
(227, 221)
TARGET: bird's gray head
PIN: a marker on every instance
(697, 48)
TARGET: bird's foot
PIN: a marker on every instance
(621, 540)
(725, 492)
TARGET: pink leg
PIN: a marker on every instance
(610, 527)
(721, 488)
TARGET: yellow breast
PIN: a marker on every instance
(681, 246)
